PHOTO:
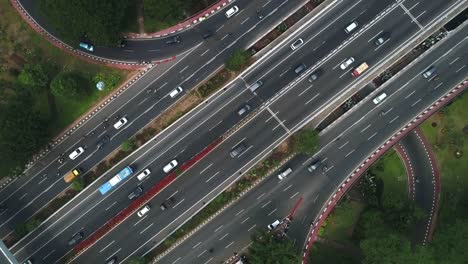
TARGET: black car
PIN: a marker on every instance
(103, 141)
(174, 40)
(136, 193)
(207, 34)
(112, 260)
(169, 202)
(75, 238)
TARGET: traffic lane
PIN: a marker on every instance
(272, 199)
(322, 30)
(214, 170)
(317, 47)
(360, 144)
(450, 60)
(319, 92)
(422, 10)
(167, 143)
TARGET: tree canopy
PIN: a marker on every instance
(266, 249)
(69, 85)
(99, 20)
(35, 77)
(238, 60)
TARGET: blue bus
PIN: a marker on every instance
(114, 181)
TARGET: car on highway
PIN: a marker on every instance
(176, 91)
(136, 193)
(312, 167)
(284, 173)
(243, 110)
(76, 153)
(274, 225)
(232, 11)
(314, 76)
(207, 34)
(170, 166)
(381, 39)
(296, 44)
(351, 27)
(144, 210)
(379, 98)
(430, 72)
(346, 63)
(112, 260)
(142, 175)
(168, 203)
(300, 68)
(28, 262)
(102, 141)
(238, 150)
(173, 40)
(122, 121)
(76, 238)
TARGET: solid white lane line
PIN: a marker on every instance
(344, 145)
(260, 196)
(267, 203)
(285, 189)
(245, 20)
(201, 172)
(440, 84)
(113, 254)
(452, 62)
(204, 52)
(201, 253)
(223, 236)
(252, 227)
(391, 121)
(421, 14)
(219, 28)
(197, 244)
(419, 100)
(460, 68)
(183, 69)
(294, 195)
(176, 260)
(230, 244)
(111, 205)
(209, 260)
(365, 128)
(142, 231)
(409, 9)
(238, 213)
(373, 135)
(410, 94)
(50, 253)
(380, 32)
(108, 245)
(215, 125)
(312, 99)
(305, 90)
(22, 196)
(245, 220)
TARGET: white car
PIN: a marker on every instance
(274, 225)
(170, 166)
(143, 211)
(122, 121)
(176, 91)
(346, 63)
(143, 174)
(283, 174)
(76, 153)
(379, 98)
(296, 44)
(232, 11)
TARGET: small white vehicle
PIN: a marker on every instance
(274, 225)
(232, 11)
(170, 166)
(379, 98)
(346, 63)
(296, 44)
(122, 121)
(176, 91)
(143, 211)
(75, 154)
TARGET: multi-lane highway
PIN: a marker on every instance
(272, 124)
(368, 129)
(141, 103)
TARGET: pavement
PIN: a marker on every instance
(423, 181)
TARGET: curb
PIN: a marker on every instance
(349, 181)
(76, 52)
(185, 24)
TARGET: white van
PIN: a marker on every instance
(283, 174)
(351, 27)
(143, 174)
(379, 98)
(143, 211)
(170, 166)
(232, 11)
(176, 91)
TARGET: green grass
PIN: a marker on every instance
(390, 169)
(341, 222)
(446, 138)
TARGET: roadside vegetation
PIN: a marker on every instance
(267, 248)
(42, 90)
(161, 14)
(384, 218)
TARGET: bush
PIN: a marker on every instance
(78, 185)
(305, 141)
(69, 85)
(214, 83)
(129, 145)
(238, 60)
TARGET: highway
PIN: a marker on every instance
(250, 212)
(67, 224)
(145, 100)
(138, 50)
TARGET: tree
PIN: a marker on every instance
(305, 141)
(449, 244)
(100, 20)
(22, 133)
(129, 145)
(389, 248)
(78, 185)
(238, 60)
(266, 249)
(69, 85)
(35, 77)
(138, 261)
